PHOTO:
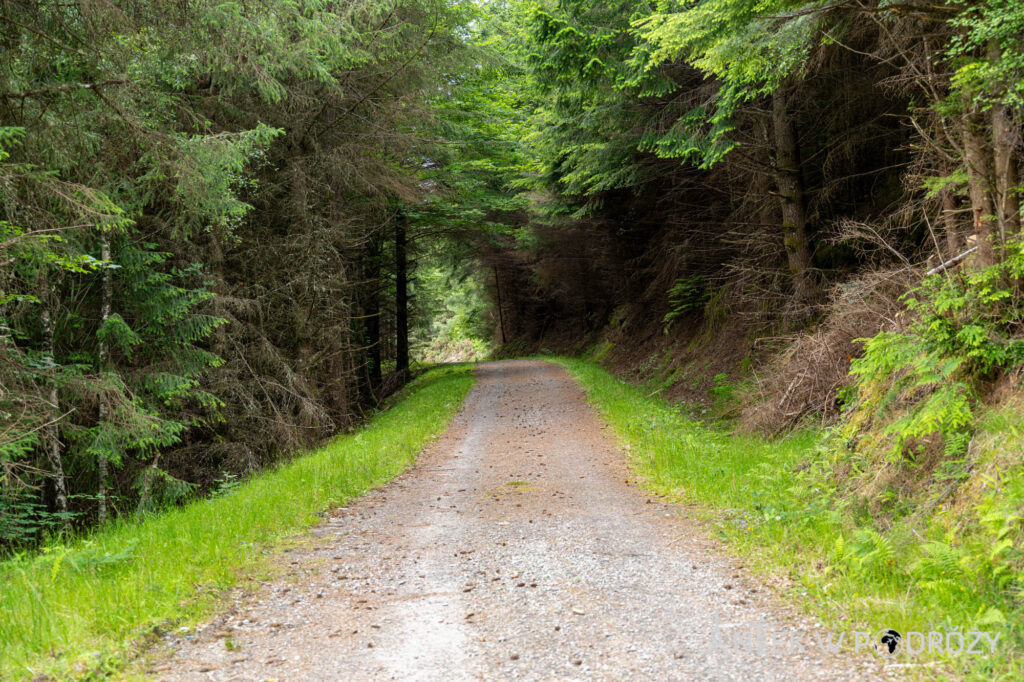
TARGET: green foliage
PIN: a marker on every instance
(456, 324)
(872, 555)
(749, 48)
(749, 44)
(101, 593)
(688, 294)
(722, 390)
(160, 490)
(167, 168)
(88, 558)
(150, 382)
(963, 327)
(920, 567)
(225, 485)
(585, 133)
(23, 518)
(935, 185)
(480, 120)
(195, 233)
(987, 52)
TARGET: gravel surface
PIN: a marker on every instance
(515, 549)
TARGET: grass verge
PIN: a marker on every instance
(932, 568)
(75, 609)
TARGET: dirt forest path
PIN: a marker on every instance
(514, 549)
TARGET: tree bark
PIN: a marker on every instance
(791, 198)
(53, 447)
(1006, 177)
(976, 158)
(401, 298)
(1007, 180)
(954, 241)
(372, 312)
(146, 492)
(104, 357)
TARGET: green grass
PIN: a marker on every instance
(775, 503)
(78, 609)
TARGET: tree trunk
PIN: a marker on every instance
(1008, 203)
(401, 298)
(104, 353)
(1006, 177)
(501, 313)
(146, 491)
(53, 446)
(344, 379)
(372, 313)
(976, 157)
(954, 241)
(791, 198)
(344, 375)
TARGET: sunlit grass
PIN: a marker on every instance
(78, 607)
(773, 502)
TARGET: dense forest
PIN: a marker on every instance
(210, 216)
(229, 229)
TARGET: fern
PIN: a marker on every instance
(963, 329)
(873, 553)
(941, 560)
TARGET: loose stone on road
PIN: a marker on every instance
(514, 549)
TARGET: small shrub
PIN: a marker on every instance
(687, 295)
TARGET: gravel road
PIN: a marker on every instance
(516, 548)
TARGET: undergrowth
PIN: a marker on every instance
(915, 388)
(930, 564)
(74, 610)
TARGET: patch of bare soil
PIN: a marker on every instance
(515, 549)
